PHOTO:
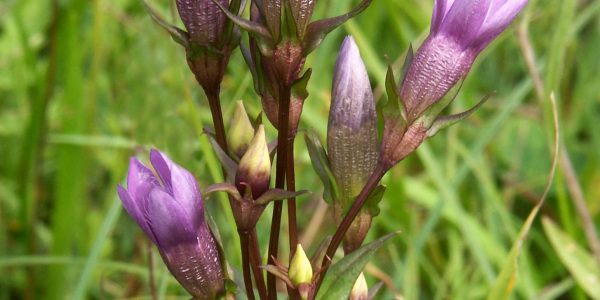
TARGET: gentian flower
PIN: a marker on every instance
(171, 214)
(460, 30)
(352, 146)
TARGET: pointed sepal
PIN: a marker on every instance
(428, 116)
(228, 188)
(278, 194)
(258, 31)
(318, 30)
(226, 162)
(447, 121)
(410, 55)
(179, 36)
(394, 108)
(320, 162)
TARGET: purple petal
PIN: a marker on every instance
(169, 221)
(464, 20)
(440, 9)
(501, 15)
(134, 211)
(180, 183)
(140, 180)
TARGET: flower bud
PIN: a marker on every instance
(254, 170)
(241, 131)
(351, 138)
(360, 291)
(172, 216)
(300, 269)
(203, 19)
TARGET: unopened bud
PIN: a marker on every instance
(241, 131)
(300, 268)
(360, 291)
(254, 170)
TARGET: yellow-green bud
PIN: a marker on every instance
(300, 268)
(360, 291)
(241, 131)
(254, 169)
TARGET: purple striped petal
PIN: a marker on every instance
(140, 180)
(440, 9)
(135, 211)
(180, 184)
(501, 15)
(464, 20)
(169, 221)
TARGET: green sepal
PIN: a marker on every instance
(447, 121)
(247, 55)
(258, 31)
(317, 258)
(299, 87)
(288, 23)
(230, 290)
(318, 30)
(343, 274)
(394, 109)
(372, 203)
(179, 36)
(277, 194)
(229, 188)
(320, 162)
(226, 162)
(428, 116)
(279, 273)
(410, 55)
(373, 291)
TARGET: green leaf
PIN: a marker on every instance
(342, 275)
(372, 203)
(277, 194)
(578, 261)
(320, 163)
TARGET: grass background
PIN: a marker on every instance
(86, 84)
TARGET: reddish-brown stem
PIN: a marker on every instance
(214, 102)
(291, 186)
(338, 237)
(280, 173)
(244, 238)
(255, 261)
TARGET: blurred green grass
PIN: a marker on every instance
(86, 84)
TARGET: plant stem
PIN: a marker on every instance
(255, 260)
(214, 102)
(338, 237)
(280, 172)
(291, 186)
(244, 237)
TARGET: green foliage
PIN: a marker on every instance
(85, 84)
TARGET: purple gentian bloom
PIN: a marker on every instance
(172, 216)
(460, 29)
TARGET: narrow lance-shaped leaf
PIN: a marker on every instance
(447, 121)
(342, 275)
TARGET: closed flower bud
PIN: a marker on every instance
(300, 268)
(171, 214)
(360, 291)
(254, 170)
(351, 137)
(241, 131)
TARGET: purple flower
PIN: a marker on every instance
(460, 29)
(172, 216)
